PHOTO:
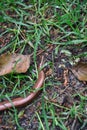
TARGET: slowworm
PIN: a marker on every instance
(17, 102)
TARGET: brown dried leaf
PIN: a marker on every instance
(80, 71)
(16, 63)
(49, 72)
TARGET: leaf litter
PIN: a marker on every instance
(14, 63)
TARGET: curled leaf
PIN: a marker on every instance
(80, 71)
(16, 63)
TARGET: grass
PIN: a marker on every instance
(31, 26)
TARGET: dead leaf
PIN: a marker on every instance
(49, 72)
(16, 63)
(80, 71)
